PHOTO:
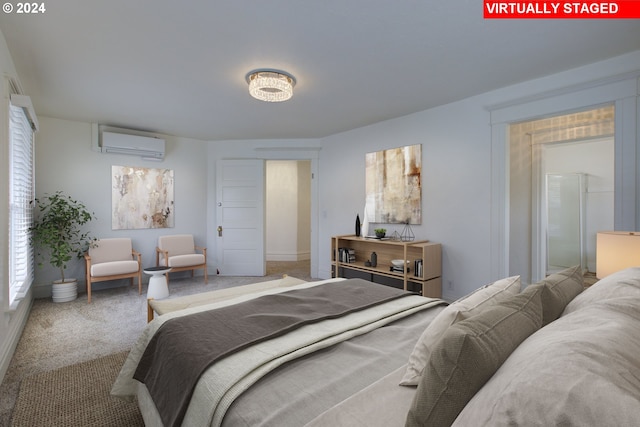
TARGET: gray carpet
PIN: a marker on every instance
(76, 396)
(62, 334)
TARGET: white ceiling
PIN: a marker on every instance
(178, 67)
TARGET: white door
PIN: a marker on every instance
(240, 215)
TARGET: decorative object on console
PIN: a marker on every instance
(380, 232)
(374, 259)
(270, 85)
(407, 233)
(358, 225)
(365, 221)
(615, 251)
(399, 265)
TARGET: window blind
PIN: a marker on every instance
(21, 195)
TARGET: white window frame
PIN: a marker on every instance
(22, 125)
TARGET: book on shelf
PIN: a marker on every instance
(346, 255)
(417, 268)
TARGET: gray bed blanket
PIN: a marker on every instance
(169, 362)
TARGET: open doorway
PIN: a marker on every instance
(576, 148)
(578, 201)
(288, 218)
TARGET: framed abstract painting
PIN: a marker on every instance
(141, 198)
(393, 185)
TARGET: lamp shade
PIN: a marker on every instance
(615, 251)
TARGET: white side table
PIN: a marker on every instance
(158, 288)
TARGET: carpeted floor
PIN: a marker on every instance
(75, 396)
(63, 334)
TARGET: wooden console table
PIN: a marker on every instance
(428, 281)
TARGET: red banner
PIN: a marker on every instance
(621, 9)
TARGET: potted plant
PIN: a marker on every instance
(57, 230)
(380, 232)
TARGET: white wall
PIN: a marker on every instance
(66, 161)
(455, 186)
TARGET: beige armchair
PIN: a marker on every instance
(179, 252)
(111, 259)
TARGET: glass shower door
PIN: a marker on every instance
(565, 221)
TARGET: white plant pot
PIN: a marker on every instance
(64, 292)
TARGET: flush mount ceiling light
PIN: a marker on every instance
(270, 85)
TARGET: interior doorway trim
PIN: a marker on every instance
(624, 93)
(301, 153)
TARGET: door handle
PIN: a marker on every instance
(219, 231)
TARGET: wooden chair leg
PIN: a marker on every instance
(149, 311)
(88, 280)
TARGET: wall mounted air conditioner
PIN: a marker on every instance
(136, 145)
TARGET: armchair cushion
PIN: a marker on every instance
(114, 267)
(109, 250)
(179, 244)
(184, 260)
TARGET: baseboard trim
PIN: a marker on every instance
(297, 256)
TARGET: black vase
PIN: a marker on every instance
(358, 225)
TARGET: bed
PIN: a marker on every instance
(546, 355)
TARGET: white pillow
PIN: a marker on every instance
(485, 296)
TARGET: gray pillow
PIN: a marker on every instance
(468, 306)
(468, 354)
(558, 290)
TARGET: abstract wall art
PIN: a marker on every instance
(141, 198)
(393, 186)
